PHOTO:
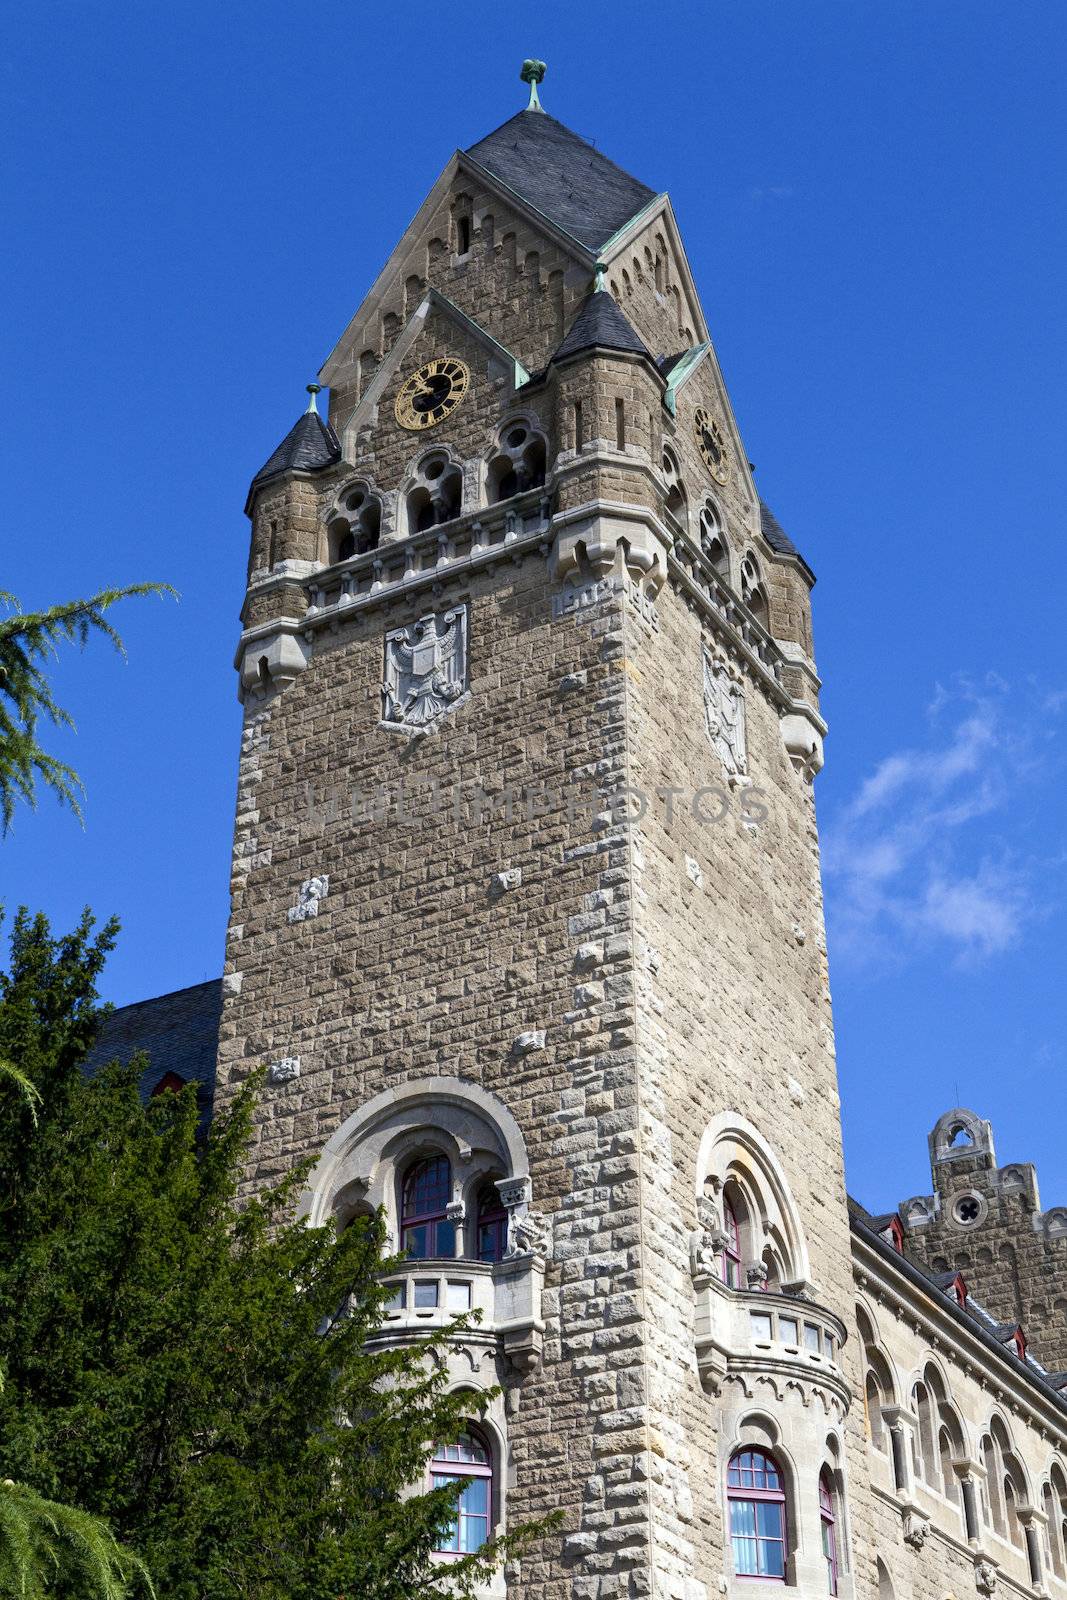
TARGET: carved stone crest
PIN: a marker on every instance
(724, 715)
(425, 671)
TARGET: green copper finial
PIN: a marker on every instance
(313, 389)
(533, 73)
(599, 282)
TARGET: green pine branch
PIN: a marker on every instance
(45, 1546)
(28, 641)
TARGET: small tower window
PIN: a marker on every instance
(463, 235)
(492, 1225)
(471, 1460)
(425, 1229)
(730, 1260)
(620, 424)
(579, 430)
(828, 1521)
(756, 1501)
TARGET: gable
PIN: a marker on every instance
(437, 329)
(519, 274)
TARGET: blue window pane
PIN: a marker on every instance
(769, 1519)
(772, 1558)
(742, 1517)
(416, 1242)
(446, 1239)
(744, 1556)
(475, 1497)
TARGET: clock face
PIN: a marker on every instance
(432, 393)
(713, 446)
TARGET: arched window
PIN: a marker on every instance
(945, 1453)
(713, 540)
(435, 495)
(730, 1260)
(357, 525)
(425, 1230)
(471, 1460)
(676, 501)
(874, 1401)
(492, 1225)
(828, 1519)
(926, 1458)
(758, 1528)
(752, 592)
(520, 464)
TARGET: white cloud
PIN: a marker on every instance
(926, 854)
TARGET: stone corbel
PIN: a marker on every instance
(802, 735)
(600, 538)
(285, 655)
(916, 1527)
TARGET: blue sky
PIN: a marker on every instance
(873, 204)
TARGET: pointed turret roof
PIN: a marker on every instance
(600, 325)
(308, 446)
(563, 176)
(774, 533)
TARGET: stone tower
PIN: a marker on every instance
(986, 1222)
(526, 917)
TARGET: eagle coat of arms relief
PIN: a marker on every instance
(425, 672)
(724, 715)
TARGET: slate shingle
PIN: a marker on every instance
(179, 1033)
(309, 445)
(562, 176)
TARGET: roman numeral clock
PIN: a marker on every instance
(432, 393)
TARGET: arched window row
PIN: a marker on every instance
(936, 1451)
(763, 1519)
(434, 492)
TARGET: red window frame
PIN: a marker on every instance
(470, 1458)
(425, 1229)
(828, 1520)
(730, 1259)
(491, 1240)
(758, 1517)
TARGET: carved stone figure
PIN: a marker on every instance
(425, 671)
(916, 1529)
(285, 1070)
(528, 1235)
(307, 901)
(724, 715)
(985, 1577)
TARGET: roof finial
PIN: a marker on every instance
(599, 285)
(533, 73)
(313, 389)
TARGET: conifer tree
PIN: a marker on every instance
(198, 1371)
(27, 640)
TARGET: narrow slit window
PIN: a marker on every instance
(463, 228)
(620, 424)
(579, 431)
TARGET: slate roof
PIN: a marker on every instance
(600, 325)
(992, 1333)
(308, 446)
(178, 1032)
(563, 176)
(774, 533)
